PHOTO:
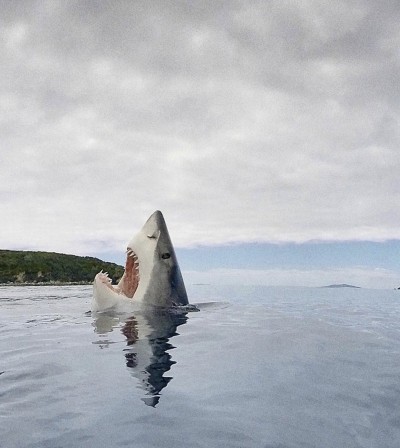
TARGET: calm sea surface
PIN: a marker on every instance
(256, 367)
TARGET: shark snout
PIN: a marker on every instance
(155, 225)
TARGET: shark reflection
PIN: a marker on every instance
(147, 336)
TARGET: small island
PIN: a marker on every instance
(341, 285)
(49, 268)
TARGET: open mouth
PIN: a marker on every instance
(130, 280)
(131, 276)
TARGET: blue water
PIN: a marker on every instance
(256, 367)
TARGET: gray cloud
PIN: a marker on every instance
(242, 121)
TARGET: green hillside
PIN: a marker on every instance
(46, 267)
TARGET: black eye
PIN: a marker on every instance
(165, 256)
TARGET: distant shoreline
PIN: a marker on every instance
(38, 268)
(55, 283)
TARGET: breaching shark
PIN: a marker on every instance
(152, 275)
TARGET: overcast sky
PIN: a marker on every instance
(243, 121)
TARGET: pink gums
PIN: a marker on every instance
(131, 277)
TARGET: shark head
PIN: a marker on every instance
(152, 274)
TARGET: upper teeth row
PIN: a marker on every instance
(131, 253)
(135, 258)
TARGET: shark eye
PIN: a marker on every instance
(165, 256)
(151, 236)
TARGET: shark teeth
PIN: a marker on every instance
(104, 277)
(130, 253)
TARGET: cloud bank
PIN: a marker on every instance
(242, 121)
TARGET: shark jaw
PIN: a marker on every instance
(152, 275)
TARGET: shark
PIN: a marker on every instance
(152, 275)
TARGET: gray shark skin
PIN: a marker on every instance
(152, 274)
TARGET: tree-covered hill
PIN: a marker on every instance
(42, 267)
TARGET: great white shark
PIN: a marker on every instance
(152, 275)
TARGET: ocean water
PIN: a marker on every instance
(256, 367)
